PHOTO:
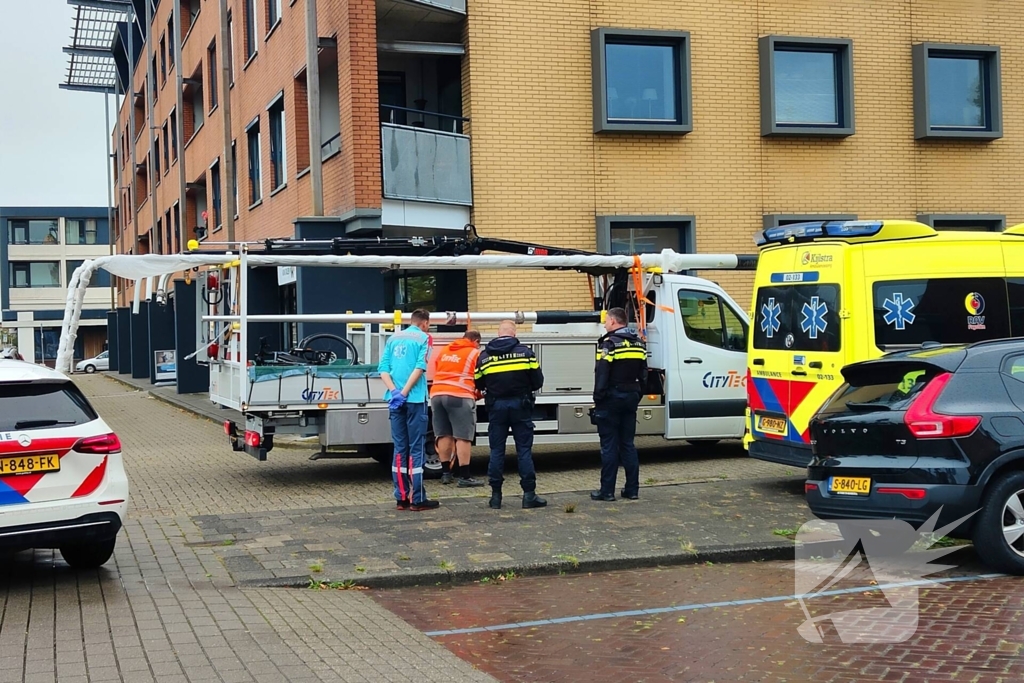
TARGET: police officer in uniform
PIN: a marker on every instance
(619, 380)
(508, 373)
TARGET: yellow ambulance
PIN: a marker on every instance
(828, 294)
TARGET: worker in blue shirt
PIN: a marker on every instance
(403, 367)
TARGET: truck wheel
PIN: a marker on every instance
(999, 529)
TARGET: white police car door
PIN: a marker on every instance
(712, 365)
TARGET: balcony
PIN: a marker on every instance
(415, 11)
(423, 164)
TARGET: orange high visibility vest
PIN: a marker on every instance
(454, 366)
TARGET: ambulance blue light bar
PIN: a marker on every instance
(805, 231)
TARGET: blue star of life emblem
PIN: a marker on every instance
(770, 312)
(814, 317)
(899, 312)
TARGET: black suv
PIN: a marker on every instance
(916, 431)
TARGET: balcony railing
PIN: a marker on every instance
(425, 165)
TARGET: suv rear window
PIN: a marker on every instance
(797, 318)
(944, 310)
(888, 386)
(41, 405)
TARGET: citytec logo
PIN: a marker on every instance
(811, 259)
(975, 305)
(730, 380)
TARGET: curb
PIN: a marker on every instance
(726, 554)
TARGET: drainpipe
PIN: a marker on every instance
(316, 171)
(151, 164)
(179, 124)
(131, 128)
(227, 194)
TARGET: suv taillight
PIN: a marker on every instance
(103, 444)
(925, 423)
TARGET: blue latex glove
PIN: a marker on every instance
(396, 401)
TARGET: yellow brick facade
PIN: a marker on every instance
(541, 174)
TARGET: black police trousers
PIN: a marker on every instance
(615, 416)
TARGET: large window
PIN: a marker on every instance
(100, 277)
(43, 231)
(279, 175)
(641, 80)
(957, 91)
(273, 13)
(806, 86)
(415, 291)
(32, 274)
(80, 231)
(709, 320)
(645, 234)
(945, 310)
(255, 182)
(797, 318)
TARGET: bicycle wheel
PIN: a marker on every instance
(325, 348)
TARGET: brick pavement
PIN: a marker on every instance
(971, 631)
(166, 609)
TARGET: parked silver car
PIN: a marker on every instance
(91, 365)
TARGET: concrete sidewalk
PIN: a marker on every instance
(198, 404)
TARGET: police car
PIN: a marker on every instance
(62, 479)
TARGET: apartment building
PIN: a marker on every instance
(618, 127)
(40, 249)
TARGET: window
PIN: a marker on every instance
(641, 80)
(156, 159)
(279, 175)
(255, 188)
(211, 59)
(774, 220)
(415, 291)
(957, 91)
(80, 231)
(945, 310)
(158, 233)
(273, 13)
(973, 222)
(59, 402)
(174, 135)
(234, 179)
(806, 86)
(152, 78)
(301, 100)
(645, 234)
(33, 274)
(163, 59)
(99, 278)
(215, 191)
(197, 103)
(167, 145)
(170, 32)
(231, 50)
(32, 232)
(176, 215)
(168, 234)
(708, 320)
(250, 29)
(797, 318)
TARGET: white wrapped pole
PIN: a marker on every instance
(149, 289)
(69, 327)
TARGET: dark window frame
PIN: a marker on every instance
(215, 194)
(993, 222)
(251, 43)
(843, 49)
(278, 140)
(52, 231)
(252, 135)
(211, 67)
(679, 40)
(990, 57)
(15, 267)
(687, 225)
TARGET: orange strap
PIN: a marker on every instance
(641, 299)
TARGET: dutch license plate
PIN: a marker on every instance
(851, 486)
(771, 425)
(28, 464)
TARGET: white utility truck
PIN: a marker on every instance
(329, 386)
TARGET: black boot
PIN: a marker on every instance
(532, 500)
(495, 502)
